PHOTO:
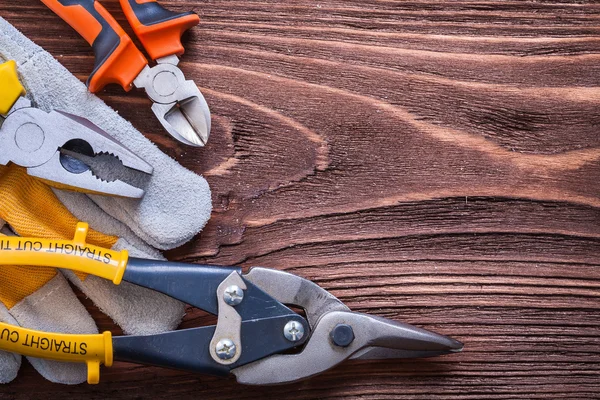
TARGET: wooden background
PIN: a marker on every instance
(432, 162)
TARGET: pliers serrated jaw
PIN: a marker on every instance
(61, 148)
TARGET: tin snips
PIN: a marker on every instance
(257, 337)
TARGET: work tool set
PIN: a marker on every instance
(258, 336)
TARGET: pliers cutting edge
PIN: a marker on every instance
(61, 148)
(257, 337)
(178, 103)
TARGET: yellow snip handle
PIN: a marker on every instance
(70, 254)
(10, 87)
(90, 349)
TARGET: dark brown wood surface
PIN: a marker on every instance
(431, 162)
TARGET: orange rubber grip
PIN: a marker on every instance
(117, 59)
(158, 29)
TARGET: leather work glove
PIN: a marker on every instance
(41, 298)
(176, 206)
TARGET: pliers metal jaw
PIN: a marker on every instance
(178, 103)
(57, 147)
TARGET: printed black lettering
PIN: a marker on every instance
(83, 348)
(67, 348)
(69, 249)
(35, 341)
(90, 254)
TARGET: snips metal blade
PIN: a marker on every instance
(70, 152)
(337, 334)
(178, 103)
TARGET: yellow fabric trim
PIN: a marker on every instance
(16, 283)
(32, 210)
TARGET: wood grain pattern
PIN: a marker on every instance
(433, 162)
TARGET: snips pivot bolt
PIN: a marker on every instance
(293, 331)
(342, 335)
(233, 295)
(226, 349)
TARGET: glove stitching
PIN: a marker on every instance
(18, 314)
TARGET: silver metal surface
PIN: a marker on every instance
(374, 337)
(178, 103)
(233, 295)
(229, 324)
(225, 349)
(34, 139)
(293, 331)
(320, 354)
(293, 290)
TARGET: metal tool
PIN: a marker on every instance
(178, 103)
(257, 337)
(62, 149)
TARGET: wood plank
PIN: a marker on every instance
(436, 163)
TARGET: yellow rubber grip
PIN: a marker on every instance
(70, 254)
(10, 86)
(93, 350)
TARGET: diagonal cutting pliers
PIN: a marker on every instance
(257, 338)
(64, 150)
(178, 103)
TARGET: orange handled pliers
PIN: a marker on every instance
(178, 103)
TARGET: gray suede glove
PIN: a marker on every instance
(175, 208)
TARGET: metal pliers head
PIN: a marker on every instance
(178, 103)
(67, 151)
